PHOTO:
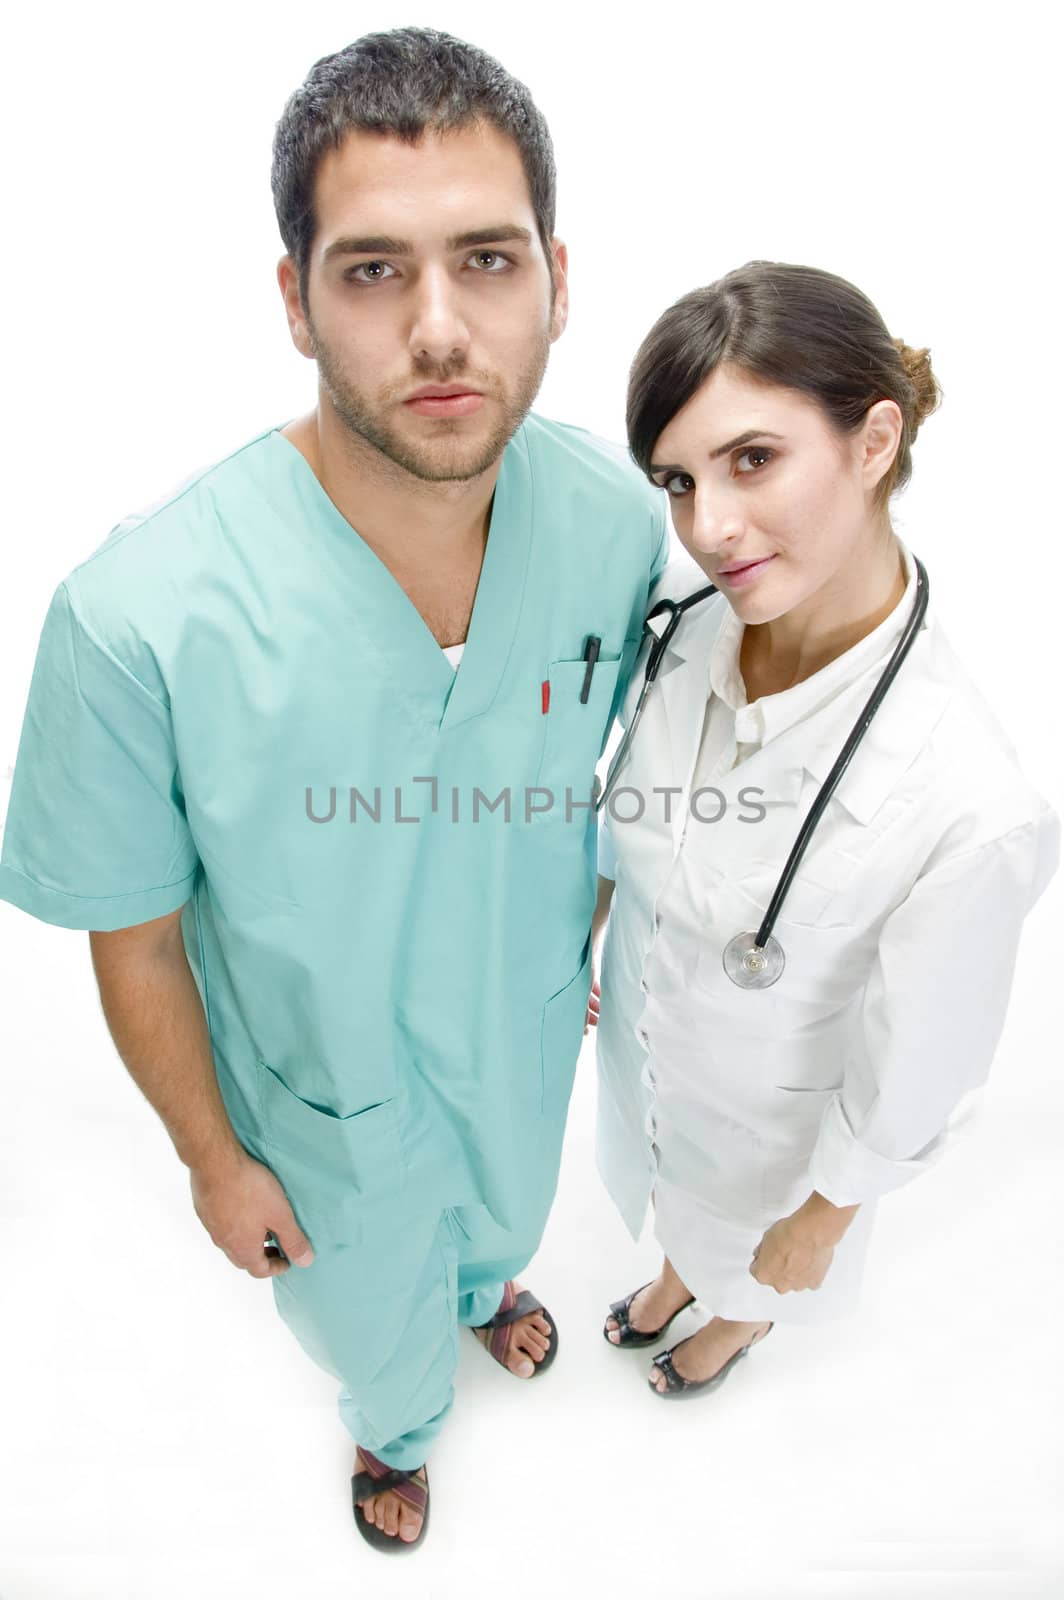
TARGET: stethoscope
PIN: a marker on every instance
(756, 960)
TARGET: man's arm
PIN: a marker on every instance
(153, 1009)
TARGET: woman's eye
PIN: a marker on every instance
(757, 455)
(374, 269)
(678, 477)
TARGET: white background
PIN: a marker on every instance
(161, 1431)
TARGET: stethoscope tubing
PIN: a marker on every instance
(655, 656)
(845, 756)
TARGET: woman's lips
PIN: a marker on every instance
(745, 574)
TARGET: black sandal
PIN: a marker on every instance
(381, 1477)
(514, 1306)
(680, 1388)
(631, 1338)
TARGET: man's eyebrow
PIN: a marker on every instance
(721, 450)
(381, 244)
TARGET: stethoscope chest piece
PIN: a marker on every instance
(753, 966)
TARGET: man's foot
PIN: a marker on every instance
(653, 1306)
(393, 1512)
(521, 1345)
(705, 1352)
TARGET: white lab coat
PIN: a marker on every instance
(900, 934)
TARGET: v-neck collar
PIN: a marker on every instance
(391, 624)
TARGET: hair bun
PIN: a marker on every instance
(926, 391)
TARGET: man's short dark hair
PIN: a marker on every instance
(401, 83)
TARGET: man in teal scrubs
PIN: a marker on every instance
(340, 890)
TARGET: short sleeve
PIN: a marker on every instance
(933, 1012)
(96, 834)
(661, 554)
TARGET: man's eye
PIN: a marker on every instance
(490, 260)
(375, 269)
(758, 455)
(678, 477)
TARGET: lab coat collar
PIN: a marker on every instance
(806, 732)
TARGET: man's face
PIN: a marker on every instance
(417, 280)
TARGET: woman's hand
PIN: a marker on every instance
(797, 1251)
(593, 1003)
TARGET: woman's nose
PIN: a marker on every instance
(714, 524)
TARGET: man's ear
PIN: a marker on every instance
(559, 265)
(288, 279)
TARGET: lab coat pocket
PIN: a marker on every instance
(562, 1031)
(330, 1166)
(574, 734)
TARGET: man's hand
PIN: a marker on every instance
(238, 1202)
(796, 1252)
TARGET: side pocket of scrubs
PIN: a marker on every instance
(330, 1166)
(562, 1032)
(574, 732)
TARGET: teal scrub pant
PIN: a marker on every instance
(382, 1315)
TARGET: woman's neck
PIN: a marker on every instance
(776, 655)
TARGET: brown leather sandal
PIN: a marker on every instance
(375, 1478)
(512, 1308)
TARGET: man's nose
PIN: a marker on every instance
(438, 332)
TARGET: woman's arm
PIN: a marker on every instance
(933, 1012)
(602, 910)
(934, 1008)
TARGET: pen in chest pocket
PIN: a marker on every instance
(592, 647)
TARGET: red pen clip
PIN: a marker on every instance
(545, 695)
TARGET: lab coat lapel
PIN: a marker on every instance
(913, 705)
(683, 683)
(899, 730)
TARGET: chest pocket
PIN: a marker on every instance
(574, 733)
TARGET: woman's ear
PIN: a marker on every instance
(880, 441)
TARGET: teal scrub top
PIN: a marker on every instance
(236, 709)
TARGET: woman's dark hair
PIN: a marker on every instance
(795, 326)
(400, 83)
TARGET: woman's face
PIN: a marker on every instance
(769, 500)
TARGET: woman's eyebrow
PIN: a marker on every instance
(722, 450)
(383, 244)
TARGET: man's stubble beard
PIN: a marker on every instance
(432, 464)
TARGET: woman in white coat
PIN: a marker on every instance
(764, 1124)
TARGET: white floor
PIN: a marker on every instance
(164, 1436)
